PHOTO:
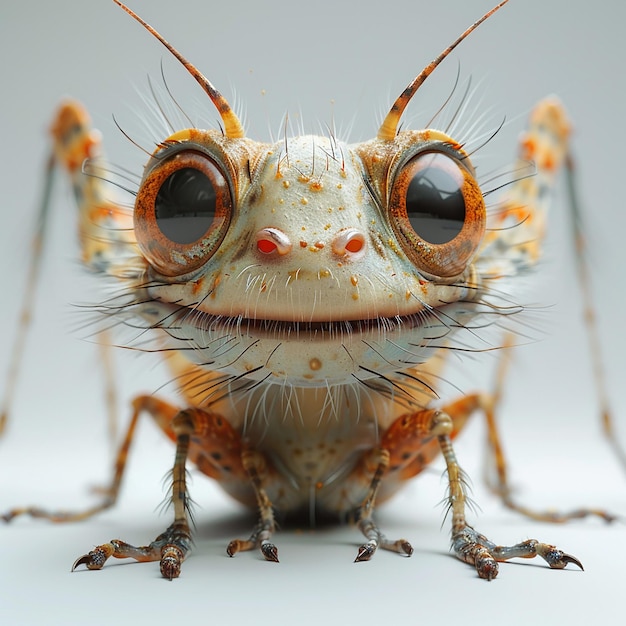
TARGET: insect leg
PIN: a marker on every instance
(499, 483)
(170, 547)
(513, 246)
(415, 439)
(366, 523)
(474, 548)
(256, 467)
(407, 446)
(593, 336)
(28, 298)
(104, 229)
(110, 493)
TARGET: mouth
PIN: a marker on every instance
(303, 353)
(182, 317)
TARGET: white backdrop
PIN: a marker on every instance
(270, 58)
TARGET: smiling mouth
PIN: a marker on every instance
(184, 317)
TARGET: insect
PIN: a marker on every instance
(305, 294)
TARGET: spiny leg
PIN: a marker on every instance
(28, 298)
(474, 548)
(110, 493)
(256, 467)
(514, 244)
(169, 547)
(110, 388)
(460, 410)
(497, 457)
(172, 546)
(366, 523)
(593, 335)
(407, 446)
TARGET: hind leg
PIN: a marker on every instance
(161, 412)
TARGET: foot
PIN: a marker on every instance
(475, 549)
(170, 548)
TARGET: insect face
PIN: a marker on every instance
(317, 261)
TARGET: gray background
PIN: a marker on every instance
(302, 57)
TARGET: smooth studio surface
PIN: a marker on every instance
(320, 63)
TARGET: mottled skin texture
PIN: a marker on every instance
(306, 318)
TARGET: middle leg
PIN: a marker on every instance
(256, 467)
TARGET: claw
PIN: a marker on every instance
(486, 567)
(92, 560)
(81, 560)
(365, 553)
(568, 558)
(557, 559)
(401, 546)
(239, 545)
(270, 551)
(233, 548)
(171, 560)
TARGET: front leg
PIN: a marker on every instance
(407, 446)
(474, 548)
(405, 450)
(172, 546)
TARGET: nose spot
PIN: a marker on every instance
(349, 242)
(273, 241)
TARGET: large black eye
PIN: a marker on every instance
(435, 204)
(185, 205)
(438, 213)
(182, 212)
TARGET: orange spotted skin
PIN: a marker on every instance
(304, 295)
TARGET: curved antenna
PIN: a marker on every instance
(232, 125)
(389, 127)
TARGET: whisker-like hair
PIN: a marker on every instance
(173, 99)
(89, 168)
(158, 104)
(484, 142)
(446, 102)
(460, 107)
(135, 143)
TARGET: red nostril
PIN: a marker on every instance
(266, 246)
(272, 240)
(348, 241)
(354, 245)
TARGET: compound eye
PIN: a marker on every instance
(182, 212)
(438, 213)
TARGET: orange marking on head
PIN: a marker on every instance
(315, 364)
(216, 282)
(197, 285)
